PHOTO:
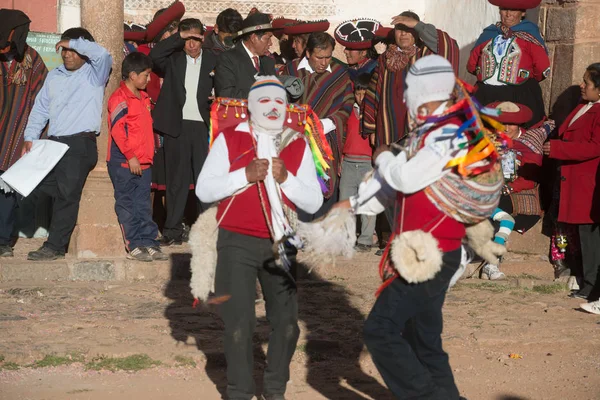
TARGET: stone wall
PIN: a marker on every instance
(571, 30)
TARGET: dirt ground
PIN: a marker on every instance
(484, 323)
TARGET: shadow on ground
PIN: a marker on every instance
(333, 338)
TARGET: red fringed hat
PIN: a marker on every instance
(278, 24)
(302, 27)
(357, 34)
(135, 36)
(516, 4)
(384, 32)
(511, 113)
(173, 13)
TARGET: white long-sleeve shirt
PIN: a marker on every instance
(216, 182)
(397, 173)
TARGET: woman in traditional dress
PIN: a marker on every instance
(519, 207)
(510, 58)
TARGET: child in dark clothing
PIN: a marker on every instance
(129, 158)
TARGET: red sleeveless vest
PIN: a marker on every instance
(245, 214)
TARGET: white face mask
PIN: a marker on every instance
(267, 107)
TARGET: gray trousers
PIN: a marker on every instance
(352, 175)
(240, 260)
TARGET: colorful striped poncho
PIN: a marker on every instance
(16, 102)
(330, 95)
(384, 111)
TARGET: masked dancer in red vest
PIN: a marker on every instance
(436, 202)
(261, 173)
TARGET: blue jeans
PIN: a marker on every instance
(403, 334)
(352, 175)
(133, 208)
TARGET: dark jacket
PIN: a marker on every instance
(170, 63)
(235, 72)
(212, 43)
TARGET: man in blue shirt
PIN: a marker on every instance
(70, 102)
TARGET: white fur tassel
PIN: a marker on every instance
(203, 243)
(479, 238)
(416, 256)
(328, 237)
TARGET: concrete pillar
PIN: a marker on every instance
(97, 233)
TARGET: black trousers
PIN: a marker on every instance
(184, 158)
(64, 184)
(241, 259)
(589, 237)
(8, 215)
(403, 335)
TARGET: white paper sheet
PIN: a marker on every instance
(27, 173)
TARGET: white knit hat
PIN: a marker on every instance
(429, 79)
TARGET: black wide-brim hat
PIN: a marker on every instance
(357, 34)
(256, 22)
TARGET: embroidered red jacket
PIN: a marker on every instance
(522, 60)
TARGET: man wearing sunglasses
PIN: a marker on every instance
(182, 115)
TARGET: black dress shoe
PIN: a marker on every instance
(45, 254)
(166, 241)
(185, 236)
(561, 269)
(580, 294)
(6, 251)
(272, 397)
(362, 248)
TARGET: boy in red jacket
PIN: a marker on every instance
(129, 158)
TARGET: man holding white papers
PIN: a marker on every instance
(70, 102)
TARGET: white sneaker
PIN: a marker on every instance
(491, 272)
(591, 307)
(573, 283)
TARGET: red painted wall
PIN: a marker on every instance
(42, 13)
